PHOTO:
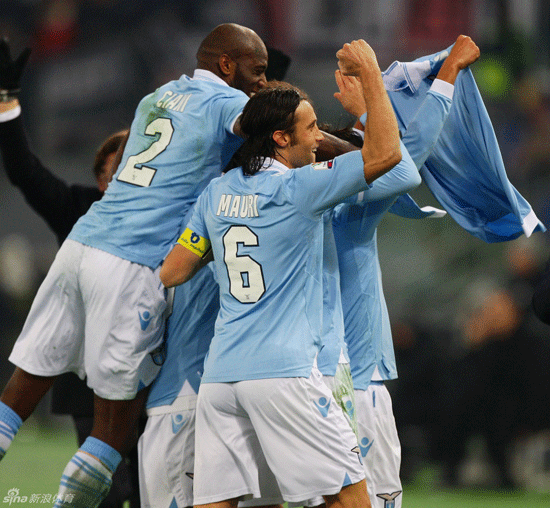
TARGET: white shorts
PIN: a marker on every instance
(167, 459)
(99, 316)
(293, 424)
(166, 451)
(341, 386)
(379, 444)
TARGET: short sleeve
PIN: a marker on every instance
(196, 224)
(321, 186)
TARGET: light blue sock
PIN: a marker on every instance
(10, 422)
(87, 478)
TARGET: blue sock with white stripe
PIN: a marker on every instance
(10, 422)
(87, 478)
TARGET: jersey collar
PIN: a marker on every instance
(270, 164)
(209, 76)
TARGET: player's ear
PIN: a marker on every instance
(227, 66)
(282, 138)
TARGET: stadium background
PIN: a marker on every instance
(94, 59)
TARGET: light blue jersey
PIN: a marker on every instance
(266, 233)
(181, 138)
(464, 171)
(189, 331)
(366, 319)
(334, 343)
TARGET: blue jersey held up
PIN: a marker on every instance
(465, 171)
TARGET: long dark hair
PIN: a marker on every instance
(270, 110)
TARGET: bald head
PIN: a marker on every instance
(231, 50)
(230, 38)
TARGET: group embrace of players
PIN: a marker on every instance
(262, 373)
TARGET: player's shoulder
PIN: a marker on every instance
(212, 87)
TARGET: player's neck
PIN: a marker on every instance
(282, 157)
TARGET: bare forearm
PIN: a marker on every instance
(180, 266)
(381, 149)
(331, 146)
(463, 53)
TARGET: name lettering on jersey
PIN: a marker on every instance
(238, 205)
(175, 102)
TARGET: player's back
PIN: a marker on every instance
(180, 139)
(266, 233)
(265, 252)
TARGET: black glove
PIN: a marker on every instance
(10, 70)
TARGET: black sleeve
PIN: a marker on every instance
(541, 297)
(59, 204)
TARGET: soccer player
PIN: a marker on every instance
(100, 310)
(167, 445)
(367, 326)
(60, 205)
(261, 395)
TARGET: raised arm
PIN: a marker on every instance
(423, 131)
(381, 150)
(463, 53)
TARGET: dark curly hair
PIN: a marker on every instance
(112, 144)
(270, 110)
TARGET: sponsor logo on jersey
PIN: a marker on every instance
(178, 421)
(323, 165)
(365, 446)
(389, 499)
(323, 406)
(144, 319)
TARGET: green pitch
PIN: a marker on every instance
(38, 456)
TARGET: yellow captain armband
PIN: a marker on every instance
(195, 243)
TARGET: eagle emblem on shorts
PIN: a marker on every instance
(389, 499)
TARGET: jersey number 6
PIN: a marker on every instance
(246, 279)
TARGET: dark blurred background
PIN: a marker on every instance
(472, 402)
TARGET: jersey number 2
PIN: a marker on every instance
(134, 171)
(246, 279)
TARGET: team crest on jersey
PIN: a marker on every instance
(389, 499)
(322, 165)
